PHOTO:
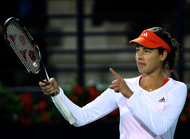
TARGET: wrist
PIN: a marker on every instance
(128, 93)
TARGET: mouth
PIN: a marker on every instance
(141, 64)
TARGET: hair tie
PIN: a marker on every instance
(171, 70)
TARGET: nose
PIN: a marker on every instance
(139, 55)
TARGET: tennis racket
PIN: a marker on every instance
(21, 41)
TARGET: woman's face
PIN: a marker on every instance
(148, 60)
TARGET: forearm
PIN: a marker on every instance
(92, 111)
(76, 111)
(153, 120)
(158, 121)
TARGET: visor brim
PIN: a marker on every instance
(144, 42)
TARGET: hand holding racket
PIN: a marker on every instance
(49, 89)
(21, 41)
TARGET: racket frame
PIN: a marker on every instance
(42, 70)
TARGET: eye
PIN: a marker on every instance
(147, 50)
(137, 49)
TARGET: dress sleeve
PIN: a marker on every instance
(159, 121)
(101, 106)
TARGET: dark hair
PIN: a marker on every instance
(169, 62)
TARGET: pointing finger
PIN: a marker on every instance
(115, 74)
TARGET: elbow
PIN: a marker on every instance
(78, 124)
(159, 133)
(161, 130)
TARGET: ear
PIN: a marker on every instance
(164, 55)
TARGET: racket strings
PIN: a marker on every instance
(23, 47)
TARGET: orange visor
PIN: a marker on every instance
(150, 40)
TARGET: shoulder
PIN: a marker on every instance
(178, 84)
(176, 93)
(177, 89)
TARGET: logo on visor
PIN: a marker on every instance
(145, 34)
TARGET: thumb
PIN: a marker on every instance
(52, 81)
(115, 74)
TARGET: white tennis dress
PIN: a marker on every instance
(145, 115)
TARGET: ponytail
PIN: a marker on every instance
(172, 56)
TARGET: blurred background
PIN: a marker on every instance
(79, 41)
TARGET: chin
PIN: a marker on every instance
(140, 70)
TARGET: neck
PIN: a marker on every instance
(151, 82)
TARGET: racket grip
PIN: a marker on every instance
(71, 119)
(55, 94)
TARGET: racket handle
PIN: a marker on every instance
(64, 108)
(71, 119)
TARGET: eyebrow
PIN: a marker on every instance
(149, 48)
(145, 48)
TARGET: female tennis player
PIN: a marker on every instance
(149, 104)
